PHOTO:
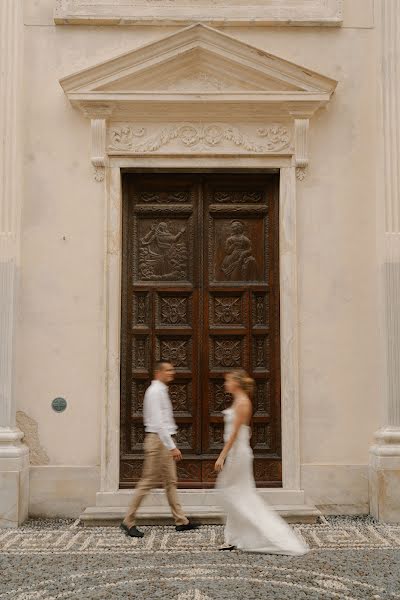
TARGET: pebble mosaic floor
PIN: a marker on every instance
(350, 558)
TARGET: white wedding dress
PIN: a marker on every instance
(251, 525)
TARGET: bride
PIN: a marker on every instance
(251, 525)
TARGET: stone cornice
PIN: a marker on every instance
(198, 91)
(200, 70)
(212, 12)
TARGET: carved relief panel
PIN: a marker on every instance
(242, 292)
(234, 256)
(220, 137)
(159, 307)
(200, 288)
(162, 250)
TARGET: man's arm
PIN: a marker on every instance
(155, 418)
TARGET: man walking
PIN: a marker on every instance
(160, 451)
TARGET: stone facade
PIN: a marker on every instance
(108, 87)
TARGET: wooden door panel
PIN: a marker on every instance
(201, 288)
(160, 312)
(241, 295)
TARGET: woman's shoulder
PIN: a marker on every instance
(243, 404)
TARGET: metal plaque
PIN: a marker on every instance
(59, 404)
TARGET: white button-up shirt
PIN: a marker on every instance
(158, 415)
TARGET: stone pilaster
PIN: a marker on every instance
(385, 454)
(14, 456)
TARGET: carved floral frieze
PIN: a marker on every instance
(200, 137)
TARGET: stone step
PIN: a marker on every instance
(99, 516)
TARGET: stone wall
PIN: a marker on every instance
(61, 342)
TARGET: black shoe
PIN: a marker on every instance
(131, 531)
(188, 527)
(227, 547)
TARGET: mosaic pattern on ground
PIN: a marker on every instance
(350, 558)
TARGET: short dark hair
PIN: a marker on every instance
(159, 364)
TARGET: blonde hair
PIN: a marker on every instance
(243, 379)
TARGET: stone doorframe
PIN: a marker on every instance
(288, 302)
(199, 99)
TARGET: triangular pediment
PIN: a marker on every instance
(198, 69)
(195, 60)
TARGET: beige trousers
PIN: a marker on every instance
(159, 466)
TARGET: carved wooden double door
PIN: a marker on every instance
(200, 287)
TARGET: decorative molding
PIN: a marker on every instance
(98, 114)
(280, 97)
(163, 209)
(110, 437)
(217, 12)
(14, 487)
(388, 28)
(243, 210)
(301, 173)
(237, 197)
(14, 455)
(99, 154)
(163, 197)
(96, 110)
(290, 400)
(11, 94)
(8, 277)
(124, 79)
(200, 137)
(99, 173)
(301, 127)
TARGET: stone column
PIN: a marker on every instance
(385, 454)
(14, 456)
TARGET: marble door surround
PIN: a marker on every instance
(199, 100)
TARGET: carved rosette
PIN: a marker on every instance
(226, 353)
(226, 311)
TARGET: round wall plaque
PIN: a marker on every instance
(59, 404)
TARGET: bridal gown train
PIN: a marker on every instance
(251, 525)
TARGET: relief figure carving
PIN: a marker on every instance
(161, 256)
(239, 263)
